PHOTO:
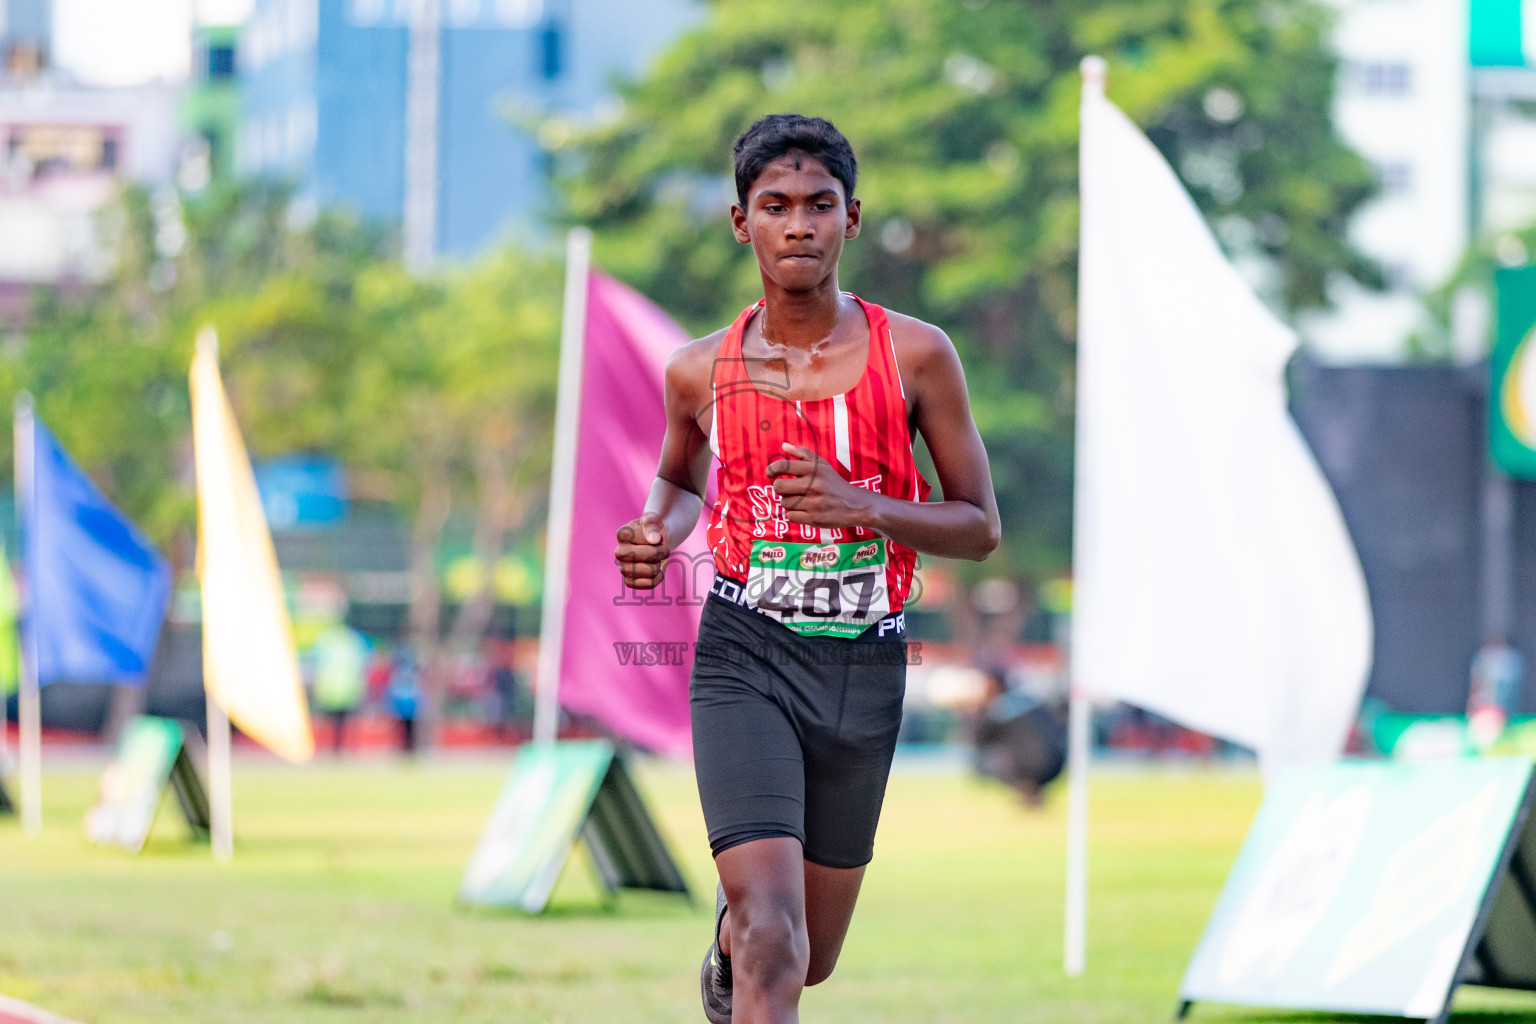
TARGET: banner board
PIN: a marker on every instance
(556, 794)
(151, 753)
(1377, 887)
(1418, 737)
(1512, 390)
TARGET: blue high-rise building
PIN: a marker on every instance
(323, 94)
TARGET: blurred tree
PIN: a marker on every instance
(436, 393)
(108, 362)
(964, 117)
(453, 405)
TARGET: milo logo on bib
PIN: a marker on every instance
(820, 558)
(820, 589)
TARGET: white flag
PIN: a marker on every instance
(1215, 583)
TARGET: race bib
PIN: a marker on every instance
(820, 589)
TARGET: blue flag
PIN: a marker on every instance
(97, 587)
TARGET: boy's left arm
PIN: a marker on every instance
(965, 524)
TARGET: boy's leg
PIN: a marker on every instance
(848, 762)
(830, 895)
(764, 932)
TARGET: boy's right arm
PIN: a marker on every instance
(677, 494)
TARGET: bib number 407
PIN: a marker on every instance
(820, 597)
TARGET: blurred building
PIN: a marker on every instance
(1402, 103)
(324, 87)
(1509, 161)
(210, 109)
(1438, 96)
(65, 149)
(1503, 48)
(26, 32)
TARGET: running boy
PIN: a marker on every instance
(808, 401)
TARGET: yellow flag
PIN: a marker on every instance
(250, 665)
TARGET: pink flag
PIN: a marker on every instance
(626, 655)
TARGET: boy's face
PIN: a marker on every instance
(796, 221)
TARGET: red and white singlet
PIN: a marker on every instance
(815, 580)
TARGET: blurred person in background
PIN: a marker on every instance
(376, 676)
(340, 657)
(1497, 673)
(402, 695)
(502, 691)
(1019, 741)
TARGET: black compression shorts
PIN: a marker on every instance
(793, 736)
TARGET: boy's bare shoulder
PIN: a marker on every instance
(696, 356)
(691, 366)
(919, 344)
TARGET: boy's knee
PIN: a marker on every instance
(769, 946)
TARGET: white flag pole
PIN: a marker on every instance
(1080, 711)
(562, 486)
(220, 797)
(29, 708)
(1079, 747)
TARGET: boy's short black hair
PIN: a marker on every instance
(773, 136)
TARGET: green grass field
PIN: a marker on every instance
(339, 907)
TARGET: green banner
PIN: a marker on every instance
(535, 823)
(1512, 390)
(151, 754)
(1367, 888)
(132, 783)
(1417, 737)
(557, 794)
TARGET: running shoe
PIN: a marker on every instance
(715, 974)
